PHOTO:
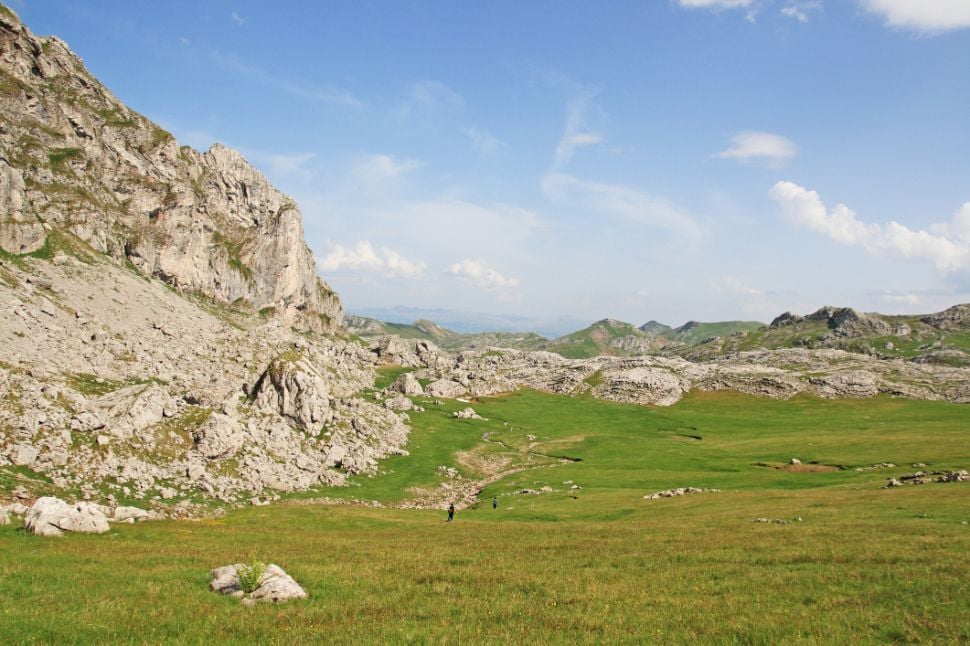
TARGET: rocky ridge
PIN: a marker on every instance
(77, 166)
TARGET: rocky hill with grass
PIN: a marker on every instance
(939, 338)
(78, 166)
(165, 336)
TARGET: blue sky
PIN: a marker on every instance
(661, 159)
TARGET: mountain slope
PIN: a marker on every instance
(76, 162)
(165, 340)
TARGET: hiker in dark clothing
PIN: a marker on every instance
(494, 502)
(451, 512)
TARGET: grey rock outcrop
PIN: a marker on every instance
(52, 517)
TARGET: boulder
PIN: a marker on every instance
(125, 514)
(398, 403)
(292, 387)
(406, 384)
(23, 454)
(467, 413)
(51, 516)
(276, 585)
(219, 437)
(445, 388)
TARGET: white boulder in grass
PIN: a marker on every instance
(51, 516)
(275, 586)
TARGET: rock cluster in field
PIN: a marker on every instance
(926, 477)
(50, 516)
(679, 491)
(275, 586)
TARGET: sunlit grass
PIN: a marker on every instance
(594, 565)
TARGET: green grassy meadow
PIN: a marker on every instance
(597, 564)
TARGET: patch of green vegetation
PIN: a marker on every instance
(387, 374)
(267, 312)
(114, 117)
(595, 379)
(60, 157)
(92, 385)
(12, 86)
(865, 565)
(698, 332)
(233, 249)
(159, 136)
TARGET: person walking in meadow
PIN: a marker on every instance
(451, 512)
(494, 502)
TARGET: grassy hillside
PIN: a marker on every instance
(444, 338)
(606, 337)
(594, 564)
(694, 332)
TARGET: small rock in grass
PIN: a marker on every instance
(794, 461)
(275, 586)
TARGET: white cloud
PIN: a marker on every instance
(715, 4)
(284, 163)
(576, 134)
(901, 299)
(947, 245)
(363, 258)
(734, 285)
(236, 18)
(325, 94)
(376, 168)
(620, 202)
(800, 9)
(483, 141)
(481, 275)
(772, 149)
(428, 96)
(922, 15)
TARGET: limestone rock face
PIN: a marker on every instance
(20, 230)
(108, 177)
(52, 517)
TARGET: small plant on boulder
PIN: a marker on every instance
(250, 576)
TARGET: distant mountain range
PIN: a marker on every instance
(942, 338)
(470, 322)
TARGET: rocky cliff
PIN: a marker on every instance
(76, 162)
(165, 338)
